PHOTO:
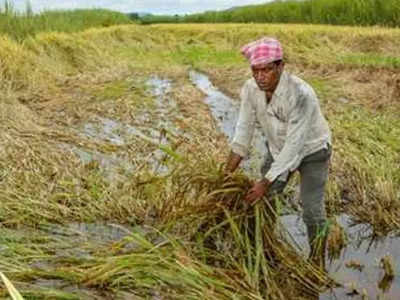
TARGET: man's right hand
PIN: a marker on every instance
(233, 162)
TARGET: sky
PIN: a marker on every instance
(151, 6)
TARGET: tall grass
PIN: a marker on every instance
(20, 25)
(336, 12)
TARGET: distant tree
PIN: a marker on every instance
(9, 8)
(133, 16)
(29, 9)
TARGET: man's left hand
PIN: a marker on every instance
(258, 190)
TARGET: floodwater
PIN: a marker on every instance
(106, 130)
(362, 250)
(370, 280)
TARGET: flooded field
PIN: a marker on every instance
(358, 269)
(112, 182)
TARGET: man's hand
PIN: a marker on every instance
(259, 189)
(232, 163)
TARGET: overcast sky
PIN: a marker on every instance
(152, 6)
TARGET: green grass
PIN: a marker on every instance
(112, 90)
(337, 12)
(19, 26)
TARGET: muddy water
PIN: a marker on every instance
(103, 129)
(368, 253)
(164, 113)
(111, 131)
(360, 247)
(166, 106)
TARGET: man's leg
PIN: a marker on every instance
(314, 173)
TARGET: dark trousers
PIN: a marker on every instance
(313, 177)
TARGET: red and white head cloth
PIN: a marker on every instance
(263, 51)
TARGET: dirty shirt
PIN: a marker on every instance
(292, 123)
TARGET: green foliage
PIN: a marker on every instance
(21, 25)
(337, 12)
(149, 19)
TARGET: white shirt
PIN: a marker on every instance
(292, 123)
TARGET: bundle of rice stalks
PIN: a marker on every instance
(214, 245)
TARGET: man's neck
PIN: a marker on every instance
(268, 96)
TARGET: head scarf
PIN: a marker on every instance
(263, 51)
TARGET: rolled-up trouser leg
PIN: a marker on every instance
(314, 173)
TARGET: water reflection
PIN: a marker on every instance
(358, 269)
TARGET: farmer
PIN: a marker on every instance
(297, 136)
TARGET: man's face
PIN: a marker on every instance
(267, 76)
